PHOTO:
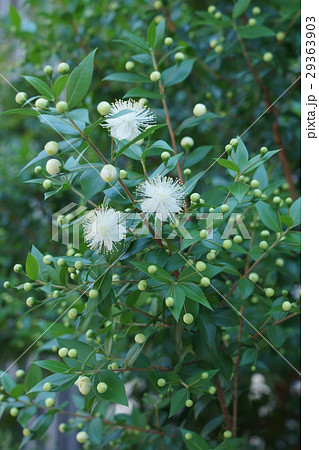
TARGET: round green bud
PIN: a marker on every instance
(61, 262)
(155, 76)
(53, 166)
(246, 180)
(47, 387)
(203, 234)
(108, 173)
(204, 375)
(101, 387)
(224, 209)
(168, 41)
(27, 286)
(169, 302)
(103, 108)
(237, 239)
(286, 306)
(78, 265)
(199, 109)
(20, 373)
(268, 56)
(211, 209)
(142, 285)
(49, 402)
(254, 277)
(30, 301)
(263, 245)
(276, 200)
(63, 352)
(47, 259)
(254, 184)
(161, 382)
(93, 293)
(37, 169)
(280, 36)
(211, 9)
(152, 269)
(257, 193)
(72, 313)
(129, 65)
(47, 184)
(188, 318)
(263, 150)
(140, 338)
(62, 427)
(234, 142)
(51, 148)
(6, 284)
(21, 98)
(218, 15)
(48, 70)
(72, 353)
(256, 10)
(254, 299)
(189, 403)
(252, 22)
(61, 107)
(188, 436)
(187, 172)
(213, 43)
(200, 266)
(219, 48)
(41, 103)
(289, 201)
(241, 178)
(284, 292)
(211, 256)
(227, 244)
(123, 174)
(253, 368)
(228, 148)
(187, 142)
(165, 156)
(26, 432)
(63, 68)
(14, 412)
(269, 292)
(89, 334)
(227, 434)
(211, 390)
(280, 262)
(179, 56)
(265, 234)
(82, 437)
(158, 4)
(205, 281)
(195, 197)
(18, 268)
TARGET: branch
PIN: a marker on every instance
(222, 402)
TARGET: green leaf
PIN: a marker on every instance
(287, 221)
(178, 401)
(295, 211)
(197, 155)
(193, 121)
(240, 7)
(238, 190)
(261, 176)
(22, 111)
(32, 267)
(115, 387)
(141, 93)
(245, 287)
(124, 77)
(59, 85)
(248, 357)
(146, 133)
(254, 32)
(228, 164)
(40, 86)
(160, 32)
(178, 294)
(177, 73)
(196, 443)
(7, 382)
(14, 17)
(160, 275)
(91, 183)
(60, 382)
(268, 216)
(276, 335)
(195, 293)
(151, 34)
(52, 366)
(25, 415)
(79, 81)
(95, 430)
(85, 352)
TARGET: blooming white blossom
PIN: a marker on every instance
(103, 227)
(127, 119)
(161, 196)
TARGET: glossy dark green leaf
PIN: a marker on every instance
(79, 81)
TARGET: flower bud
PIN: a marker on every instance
(41, 103)
(93, 293)
(21, 98)
(211, 9)
(51, 148)
(238, 239)
(72, 313)
(37, 169)
(47, 259)
(63, 68)
(195, 197)
(152, 269)
(20, 373)
(61, 107)
(82, 437)
(14, 412)
(18, 268)
(61, 262)
(142, 285)
(203, 234)
(188, 318)
(123, 174)
(268, 56)
(101, 387)
(213, 43)
(165, 156)
(78, 265)
(189, 403)
(27, 287)
(256, 10)
(30, 301)
(227, 434)
(53, 166)
(269, 292)
(108, 173)
(48, 70)
(289, 201)
(254, 184)
(286, 306)
(129, 65)
(276, 200)
(187, 142)
(6, 284)
(179, 56)
(252, 22)
(47, 184)
(218, 15)
(103, 108)
(47, 387)
(155, 76)
(26, 432)
(219, 48)
(72, 353)
(280, 36)
(257, 193)
(84, 385)
(49, 402)
(169, 302)
(161, 382)
(168, 41)
(263, 245)
(199, 109)
(254, 277)
(63, 352)
(200, 266)
(224, 209)
(227, 244)
(140, 338)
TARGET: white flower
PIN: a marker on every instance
(103, 227)
(162, 197)
(127, 119)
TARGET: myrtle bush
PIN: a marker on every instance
(165, 293)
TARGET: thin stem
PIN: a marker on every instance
(222, 402)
